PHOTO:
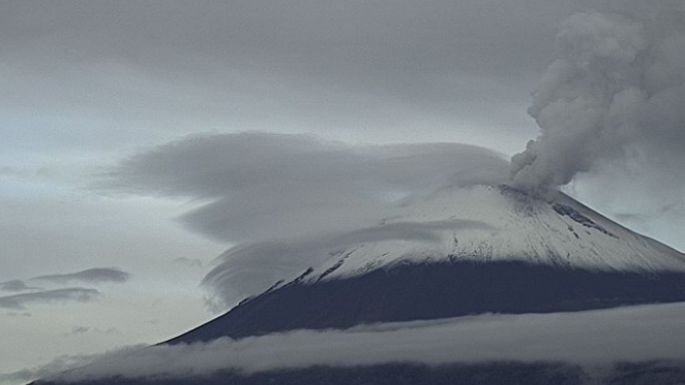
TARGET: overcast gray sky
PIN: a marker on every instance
(87, 84)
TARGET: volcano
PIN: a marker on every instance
(456, 254)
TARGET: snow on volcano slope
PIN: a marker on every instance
(486, 223)
(458, 252)
(477, 223)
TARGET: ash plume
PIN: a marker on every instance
(615, 92)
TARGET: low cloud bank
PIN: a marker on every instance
(640, 333)
(57, 365)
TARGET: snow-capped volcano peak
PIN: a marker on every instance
(488, 223)
(458, 251)
(481, 223)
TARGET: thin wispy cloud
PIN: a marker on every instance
(29, 295)
(92, 276)
(89, 330)
(73, 294)
(190, 262)
(16, 285)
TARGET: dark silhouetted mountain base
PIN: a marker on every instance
(652, 373)
(439, 290)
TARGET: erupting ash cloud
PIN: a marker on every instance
(616, 90)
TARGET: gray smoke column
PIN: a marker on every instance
(615, 91)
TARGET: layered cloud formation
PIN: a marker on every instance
(19, 301)
(286, 200)
(28, 294)
(274, 186)
(94, 275)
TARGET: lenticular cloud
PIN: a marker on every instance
(262, 186)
